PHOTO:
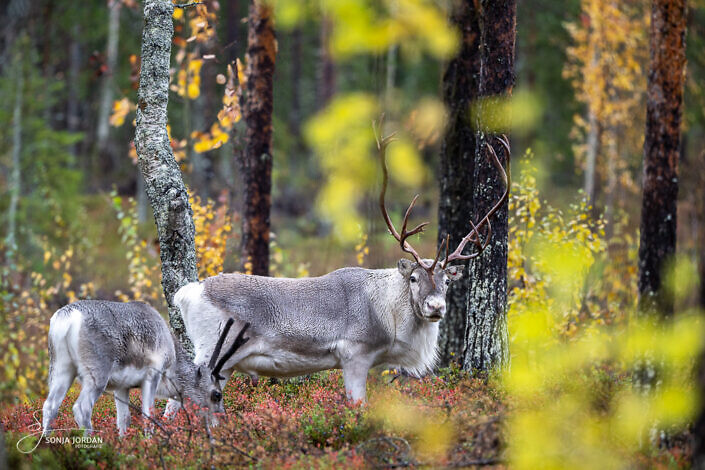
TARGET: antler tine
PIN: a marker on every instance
(474, 234)
(401, 238)
(438, 254)
(384, 141)
(445, 259)
(239, 341)
(407, 213)
(219, 344)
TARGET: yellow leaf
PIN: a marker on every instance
(193, 91)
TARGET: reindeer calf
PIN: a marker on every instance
(117, 346)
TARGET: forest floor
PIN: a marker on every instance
(450, 420)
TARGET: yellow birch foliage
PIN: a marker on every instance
(571, 234)
(589, 379)
(607, 68)
(213, 224)
(213, 230)
(229, 114)
(26, 313)
(343, 139)
(144, 275)
(365, 26)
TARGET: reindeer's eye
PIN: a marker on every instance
(216, 396)
(412, 279)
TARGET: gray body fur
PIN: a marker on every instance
(352, 319)
(117, 346)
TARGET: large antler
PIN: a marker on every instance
(402, 237)
(239, 341)
(474, 234)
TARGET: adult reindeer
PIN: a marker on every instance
(352, 318)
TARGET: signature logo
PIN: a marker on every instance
(84, 442)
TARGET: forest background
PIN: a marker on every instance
(77, 223)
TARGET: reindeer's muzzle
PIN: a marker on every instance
(434, 308)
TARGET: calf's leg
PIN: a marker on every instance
(122, 407)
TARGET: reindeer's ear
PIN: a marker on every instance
(199, 374)
(406, 267)
(454, 272)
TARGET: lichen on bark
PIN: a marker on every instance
(455, 209)
(163, 182)
(486, 341)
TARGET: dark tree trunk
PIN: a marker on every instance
(326, 67)
(486, 333)
(165, 187)
(232, 29)
(256, 160)
(664, 109)
(460, 88)
(296, 59)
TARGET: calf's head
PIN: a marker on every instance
(207, 392)
(427, 289)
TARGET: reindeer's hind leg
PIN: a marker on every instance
(149, 391)
(61, 376)
(93, 385)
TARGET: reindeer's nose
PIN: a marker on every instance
(436, 305)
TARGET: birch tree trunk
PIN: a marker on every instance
(664, 110)
(73, 121)
(256, 160)
(15, 182)
(106, 92)
(593, 144)
(486, 336)
(460, 88)
(165, 187)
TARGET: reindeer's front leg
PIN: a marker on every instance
(355, 377)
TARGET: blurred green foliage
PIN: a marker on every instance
(50, 181)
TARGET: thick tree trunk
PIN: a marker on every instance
(256, 160)
(664, 109)
(460, 88)
(106, 92)
(486, 336)
(165, 187)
